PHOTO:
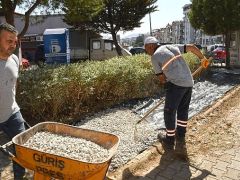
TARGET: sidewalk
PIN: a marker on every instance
(223, 165)
(213, 145)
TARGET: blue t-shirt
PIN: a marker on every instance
(177, 72)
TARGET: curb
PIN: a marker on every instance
(124, 171)
(215, 105)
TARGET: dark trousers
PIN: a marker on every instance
(176, 103)
(13, 126)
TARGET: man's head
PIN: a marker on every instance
(150, 44)
(8, 40)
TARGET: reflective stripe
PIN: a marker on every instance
(182, 123)
(169, 61)
(170, 132)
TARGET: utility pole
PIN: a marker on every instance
(150, 24)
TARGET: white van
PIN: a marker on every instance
(210, 48)
(101, 49)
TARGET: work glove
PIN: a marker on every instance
(205, 62)
(162, 78)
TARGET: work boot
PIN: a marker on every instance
(181, 148)
(180, 139)
(167, 142)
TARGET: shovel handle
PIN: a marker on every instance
(151, 110)
(197, 71)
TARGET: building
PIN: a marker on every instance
(177, 32)
(189, 31)
(235, 49)
(34, 35)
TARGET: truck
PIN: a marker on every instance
(63, 45)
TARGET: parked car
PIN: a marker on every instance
(210, 48)
(219, 54)
(25, 63)
(137, 50)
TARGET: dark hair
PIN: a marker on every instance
(8, 27)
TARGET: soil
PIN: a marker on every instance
(215, 128)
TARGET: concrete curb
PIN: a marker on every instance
(227, 96)
(124, 171)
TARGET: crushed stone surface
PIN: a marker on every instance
(67, 146)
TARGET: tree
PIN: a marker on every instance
(215, 17)
(139, 41)
(112, 17)
(8, 8)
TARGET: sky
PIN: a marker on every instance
(168, 11)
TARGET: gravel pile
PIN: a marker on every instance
(121, 122)
(67, 146)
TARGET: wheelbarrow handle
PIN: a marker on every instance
(27, 125)
(4, 147)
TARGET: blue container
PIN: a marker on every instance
(56, 46)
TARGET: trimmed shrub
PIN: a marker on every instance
(66, 93)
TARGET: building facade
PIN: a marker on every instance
(235, 49)
(34, 35)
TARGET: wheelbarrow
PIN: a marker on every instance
(48, 166)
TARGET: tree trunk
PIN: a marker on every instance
(227, 46)
(27, 17)
(118, 48)
(9, 16)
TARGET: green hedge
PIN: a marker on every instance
(68, 92)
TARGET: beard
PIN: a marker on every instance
(6, 52)
(10, 51)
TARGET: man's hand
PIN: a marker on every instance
(162, 78)
(205, 62)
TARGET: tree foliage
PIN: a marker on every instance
(112, 16)
(8, 8)
(139, 41)
(81, 10)
(216, 17)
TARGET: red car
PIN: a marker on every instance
(219, 54)
(25, 63)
